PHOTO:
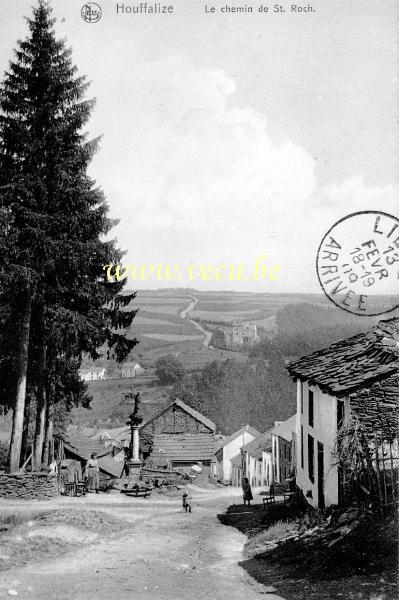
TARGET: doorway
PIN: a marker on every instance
(320, 474)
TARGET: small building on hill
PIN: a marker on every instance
(92, 374)
(349, 389)
(131, 369)
(230, 449)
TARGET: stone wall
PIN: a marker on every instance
(28, 486)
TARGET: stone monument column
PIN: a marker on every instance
(135, 419)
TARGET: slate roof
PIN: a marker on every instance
(284, 429)
(246, 428)
(187, 447)
(260, 443)
(83, 447)
(353, 363)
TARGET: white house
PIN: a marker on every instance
(253, 461)
(267, 466)
(92, 374)
(283, 448)
(231, 448)
(353, 378)
(131, 369)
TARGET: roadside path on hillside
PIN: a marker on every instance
(168, 555)
(184, 315)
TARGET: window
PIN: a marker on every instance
(311, 458)
(311, 414)
(285, 451)
(301, 395)
(340, 413)
(301, 446)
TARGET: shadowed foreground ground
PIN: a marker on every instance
(362, 567)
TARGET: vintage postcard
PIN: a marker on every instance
(199, 299)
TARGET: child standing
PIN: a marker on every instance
(186, 504)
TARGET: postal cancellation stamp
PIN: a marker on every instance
(358, 263)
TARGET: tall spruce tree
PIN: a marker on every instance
(56, 220)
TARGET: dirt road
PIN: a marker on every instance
(167, 555)
(184, 315)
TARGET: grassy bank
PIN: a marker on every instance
(361, 566)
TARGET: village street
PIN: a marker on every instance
(167, 554)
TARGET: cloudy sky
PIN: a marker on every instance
(228, 137)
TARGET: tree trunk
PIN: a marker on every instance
(48, 438)
(25, 431)
(22, 369)
(37, 450)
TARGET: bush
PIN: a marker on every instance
(169, 369)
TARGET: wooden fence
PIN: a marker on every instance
(377, 482)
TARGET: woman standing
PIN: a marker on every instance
(246, 491)
(93, 474)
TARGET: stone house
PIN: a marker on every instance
(356, 379)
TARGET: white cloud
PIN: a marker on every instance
(355, 193)
(201, 179)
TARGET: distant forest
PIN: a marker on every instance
(259, 391)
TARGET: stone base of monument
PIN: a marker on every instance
(134, 485)
(134, 471)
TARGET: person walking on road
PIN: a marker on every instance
(246, 491)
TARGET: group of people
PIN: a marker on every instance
(70, 472)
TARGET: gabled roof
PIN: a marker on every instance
(131, 365)
(284, 429)
(184, 447)
(244, 429)
(353, 363)
(83, 447)
(262, 442)
(191, 411)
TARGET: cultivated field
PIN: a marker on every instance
(161, 330)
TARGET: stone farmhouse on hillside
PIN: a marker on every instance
(355, 380)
